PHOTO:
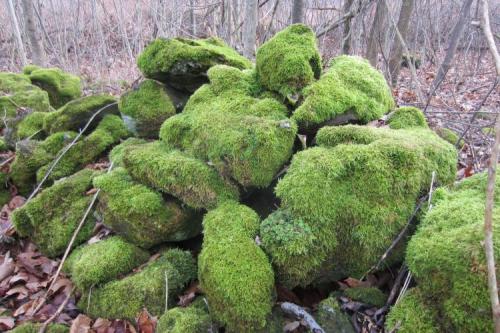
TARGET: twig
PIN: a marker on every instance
(345, 17)
(7, 160)
(166, 292)
(57, 313)
(299, 312)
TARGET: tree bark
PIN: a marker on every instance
(346, 35)
(298, 11)
(38, 54)
(17, 32)
(397, 46)
(250, 28)
(377, 34)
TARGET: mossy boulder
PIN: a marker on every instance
(31, 126)
(368, 295)
(140, 214)
(351, 90)
(349, 197)
(116, 154)
(183, 63)
(289, 61)
(227, 124)
(234, 272)
(190, 180)
(74, 115)
(4, 189)
(192, 319)
(52, 216)
(126, 298)
(35, 328)
(145, 108)
(62, 87)
(449, 135)
(331, 318)
(407, 117)
(98, 263)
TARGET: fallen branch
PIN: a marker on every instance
(300, 313)
(57, 313)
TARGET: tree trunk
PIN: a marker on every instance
(346, 36)
(250, 28)
(397, 46)
(298, 11)
(377, 34)
(38, 54)
(17, 32)
(192, 19)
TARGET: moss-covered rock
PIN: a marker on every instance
(3, 144)
(183, 63)
(331, 318)
(62, 87)
(289, 61)
(368, 295)
(190, 180)
(193, 319)
(349, 198)
(97, 263)
(31, 126)
(140, 214)
(74, 115)
(52, 216)
(226, 124)
(407, 117)
(350, 90)
(234, 272)
(145, 108)
(35, 328)
(126, 298)
(116, 154)
(4, 189)
(449, 135)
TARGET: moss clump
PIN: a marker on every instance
(234, 272)
(368, 295)
(353, 193)
(184, 320)
(126, 298)
(4, 189)
(74, 115)
(3, 144)
(350, 88)
(140, 214)
(52, 216)
(331, 318)
(448, 135)
(109, 131)
(145, 108)
(244, 137)
(116, 154)
(289, 61)
(30, 68)
(407, 117)
(31, 125)
(62, 87)
(188, 179)
(97, 263)
(35, 328)
(412, 315)
(183, 63)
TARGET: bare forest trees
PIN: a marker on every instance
(298, 11)
(397, 46)
(17, 32)
(377, 33)
(346, 37)
(38, 57)
(250, 28)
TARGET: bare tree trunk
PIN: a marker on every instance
(298, 11)
(250, 28)
(17, 32)
(227, 21)
(192, 19)
(346, 36)
(38, 54)
(377, 33)
(397, 47)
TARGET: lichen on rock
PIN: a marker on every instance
(62, 87)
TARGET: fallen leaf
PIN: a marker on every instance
(146, 323)
(6, 323)
(81, 324)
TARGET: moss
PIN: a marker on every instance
(289, 61)
(34, 328)
(351, 86)
(5, 195)
(116, 154)
(412, 315)
(368, 295)
(30, 68)
(52, 216)
(184, 320)
(354, 193)
(3, 144)
(31, 126)
(62, 87)
(407, 117)
(331, 318)
(244, 137)
(126, 298)
(97, 263)
(234, 272)
(145, 108)
(109, 132)
(188, 179)
(448, 135)
(183, 63)
(74, 115)
(140, 214)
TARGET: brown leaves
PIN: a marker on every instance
(146, 323)
(84, 324)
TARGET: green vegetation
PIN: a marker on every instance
(368, 295)
(4, 189)
(289, 61)
(52, 216)
(31, 125)
(193, 319)
(234, 273)
(146, 108)
(351, 86)
(449, 135)
(62, 87)
(116, 154)
(34, 328)
(407, 117)
(331, 318)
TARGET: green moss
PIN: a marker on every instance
(289, 61)
(62, 87)
(75, 114)
(331, 318)
(140, 214)
(3, 144)
(183, 63)
(97, 263)
(109, 132)
(34, 328)
(146, 108)
(244, 137)
(116, 154)
(30, 68)
(351, 87)
(5, 195)
(188, 179)
(412, 315)
(448, 135)
(234, 273)
(368, 295)
(354, 193)
(126, 298)
(184, 320)
(407, 117)
(52, 216)
(31, 125)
